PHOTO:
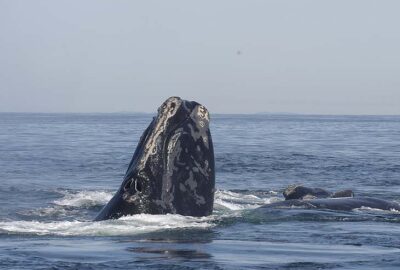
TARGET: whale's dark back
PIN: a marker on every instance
(172, 169)
(339, 204)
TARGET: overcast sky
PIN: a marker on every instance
(322, 57)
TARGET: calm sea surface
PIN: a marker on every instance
(58, 170)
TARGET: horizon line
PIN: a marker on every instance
(216, 113)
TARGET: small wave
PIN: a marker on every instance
(53, 212)
(369, 209)
(70, 205)
(237, 201)
(84, 199)
(130, 225)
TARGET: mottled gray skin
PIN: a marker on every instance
(341, 204)
(298, 192)
(172, 169)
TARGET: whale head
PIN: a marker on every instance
(172, 169)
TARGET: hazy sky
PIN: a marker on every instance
(328, 57)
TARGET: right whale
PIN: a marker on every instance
(344, 204)
(317, 198)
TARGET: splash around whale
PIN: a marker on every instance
(173, 171)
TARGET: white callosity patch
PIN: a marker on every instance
(174, 150)
(173, 141)
(202, 113)
(201, 117)
(166, 111)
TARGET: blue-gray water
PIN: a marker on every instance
(58, 170)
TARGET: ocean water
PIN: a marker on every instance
(58, 170)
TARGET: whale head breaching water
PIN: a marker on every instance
(172, 169)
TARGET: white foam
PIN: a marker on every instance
(237, 201)
(49, 212)
(84, 198)
(224, 198)
(369, 209)
(131, 225)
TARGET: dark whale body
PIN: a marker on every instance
(303, 193)
(318, 198)
(172, 169)
(341, 204)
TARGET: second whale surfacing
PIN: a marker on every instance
(298, 196)
(339, 204)
(172, 169)
(305, 193)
